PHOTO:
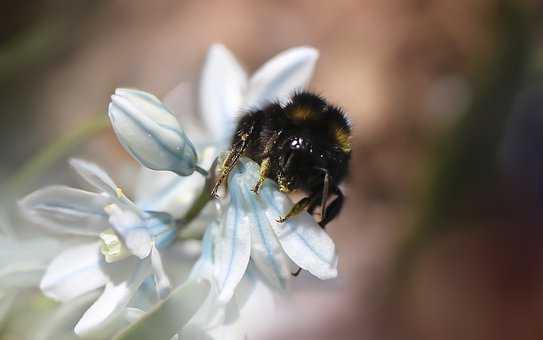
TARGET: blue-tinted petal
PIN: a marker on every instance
(281, 76)
(150, 133)
(233, 246)
(74, 272)
(222, 85)
(67, 210)
(112, 302)
(304, 241)
(266, 251)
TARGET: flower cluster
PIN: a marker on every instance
(137, 252)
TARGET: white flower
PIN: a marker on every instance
(247, 235)
(121, 251)
(194, 312)
(252, 304)
(249, 230)
(246, 257)
(225, 91)
(150, 133)
(246, 260)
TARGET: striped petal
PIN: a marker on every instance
(150, 133)
(95, 175)
(281, 76)
(232, 247)
(266, 252)
(304, 241)
(66, 210)
(222, 85)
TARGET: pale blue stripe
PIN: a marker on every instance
(269, 199)
(269, 253)
(62, 208)
(234, 194)
(152, 135)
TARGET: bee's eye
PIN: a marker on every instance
(300, 144)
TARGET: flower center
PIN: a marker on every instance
(112, 248)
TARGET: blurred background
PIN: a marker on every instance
(441, 236)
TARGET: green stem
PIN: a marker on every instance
(47, 156)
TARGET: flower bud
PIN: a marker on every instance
(150, 133)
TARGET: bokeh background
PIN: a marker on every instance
(441, 236)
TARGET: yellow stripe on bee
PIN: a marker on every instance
(301, 113)
(343, 139)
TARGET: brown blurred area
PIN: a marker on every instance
(401, 69)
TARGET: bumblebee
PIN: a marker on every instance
(302, 145)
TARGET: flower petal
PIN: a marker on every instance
(73, 272)
(282, 75)
(266, 252)
(251, 308)
(162, 282)
(67, 210)
(222, 84)
(179, 259)
(144, 96)
(304, 241)
(112, 302)
(180, 101)
(150, 133)
(168, 192)
(95, 175)
(256, 303)
(139, 242)
(210, 315)
(232, 247)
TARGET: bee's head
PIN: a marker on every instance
(295, 157)
(315, 141)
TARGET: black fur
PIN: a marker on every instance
(306, 146)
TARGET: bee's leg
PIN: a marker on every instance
(264, 171)
(265, 164)
(311, 208)
(333, 209)
(323, 197)
(226, 167)
(325, 193)
(297, 208)
(297, 272)
(231, 160)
